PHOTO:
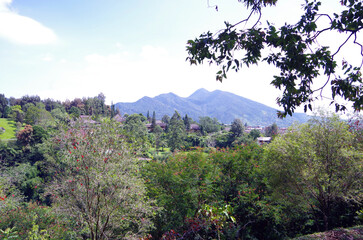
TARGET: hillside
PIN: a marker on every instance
(218, 104)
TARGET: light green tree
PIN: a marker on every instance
(136, 131)
(316, 165)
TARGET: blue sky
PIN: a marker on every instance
(64, 49)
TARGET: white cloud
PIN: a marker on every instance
(47, 57)
(153, 71)
(22, 29)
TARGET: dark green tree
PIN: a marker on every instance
(113, 110)
(166, 119)
(187, 121)
(3, 105)
(294, 49)
(29, 99)
(153, 121)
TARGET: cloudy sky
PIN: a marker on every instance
(125, 49)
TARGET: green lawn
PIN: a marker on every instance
(10, 128)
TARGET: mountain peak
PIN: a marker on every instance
(200, 94)
(224, 106)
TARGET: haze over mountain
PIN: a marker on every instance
(218, 104)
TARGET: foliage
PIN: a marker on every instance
(60, 116)
(9, 233)
(96, 181)
(316, 168)
(33, 219)
(26, 179)
(35, 233)
(190, 183)
(178, 185)
(294, 50)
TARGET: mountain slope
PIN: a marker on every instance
(218, 104)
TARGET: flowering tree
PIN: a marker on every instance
(96, 181)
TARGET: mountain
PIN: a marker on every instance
(218, 104)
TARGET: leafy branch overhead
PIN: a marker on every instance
(295, 50)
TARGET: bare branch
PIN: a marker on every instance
(323, 15)
(361, 47)
(214, 6)
(346, 40)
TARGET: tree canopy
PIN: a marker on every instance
(294, 49)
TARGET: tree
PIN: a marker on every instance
(37, 115)
(294, 49)
(75, 112)
(29, 99)
(254, 134)
(272, 130)
(25, 136)
(187, 122)
(158, 132)
(3, 105)
(96, 181)
(17, 114)
(209, 125)
(237, 128)
(136, 131)
(176, 132)
(153, 122)
(114, 110)
(315, 168)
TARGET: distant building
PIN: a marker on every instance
(248, 129)
(157, 122)
(87, 119)
(194, 127)
(263, 140)
(119, 118)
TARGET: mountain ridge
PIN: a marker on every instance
(224, 106)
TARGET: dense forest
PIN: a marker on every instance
(81, 170)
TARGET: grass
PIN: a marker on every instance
(10, 128)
